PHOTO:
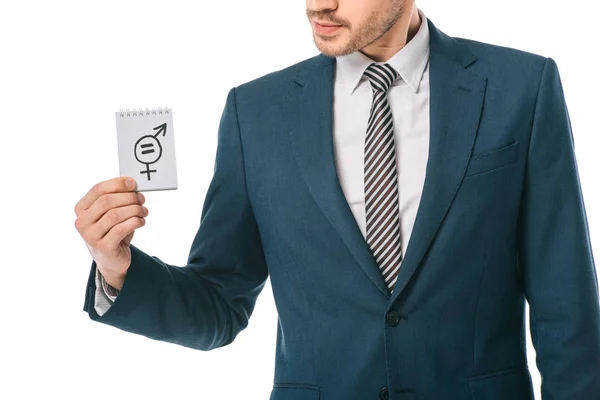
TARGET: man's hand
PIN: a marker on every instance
(107, 217)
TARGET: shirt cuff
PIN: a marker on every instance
(110, 291)
(101, 300)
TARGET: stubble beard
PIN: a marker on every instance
(376, 25)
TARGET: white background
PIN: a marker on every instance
(66, 66)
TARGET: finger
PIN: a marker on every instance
(117, 233)
(105, 203)
(113, 185)
(96, 231)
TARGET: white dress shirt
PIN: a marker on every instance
(408, 98)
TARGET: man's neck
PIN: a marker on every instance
(394, 39)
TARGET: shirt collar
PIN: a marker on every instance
(409, 61)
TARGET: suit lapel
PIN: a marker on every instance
(456, 98)
(309, 110)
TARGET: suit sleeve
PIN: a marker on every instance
(555, 254)
(206, 303)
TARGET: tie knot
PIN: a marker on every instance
(381, 76)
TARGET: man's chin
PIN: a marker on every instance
(333, 52)
(331, 47)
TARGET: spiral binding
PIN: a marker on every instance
(142, 112)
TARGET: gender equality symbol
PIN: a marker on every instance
(148, 149)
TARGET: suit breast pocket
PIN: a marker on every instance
(291, 391)
(493, 159)
(511, 383)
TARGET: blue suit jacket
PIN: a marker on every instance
(501, 220)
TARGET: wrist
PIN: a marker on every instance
(112, 283)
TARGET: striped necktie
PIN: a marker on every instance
(381, 186)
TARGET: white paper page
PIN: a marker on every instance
(147, 148)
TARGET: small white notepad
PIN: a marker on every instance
(147, 148)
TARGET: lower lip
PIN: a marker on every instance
(325, 30)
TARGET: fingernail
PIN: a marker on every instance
(130, 183)
(140, 197)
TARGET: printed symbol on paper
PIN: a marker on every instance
(148, 149)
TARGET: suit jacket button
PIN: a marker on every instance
(384, 394)
(392, 318)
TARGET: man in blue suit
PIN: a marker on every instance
(323, 172)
